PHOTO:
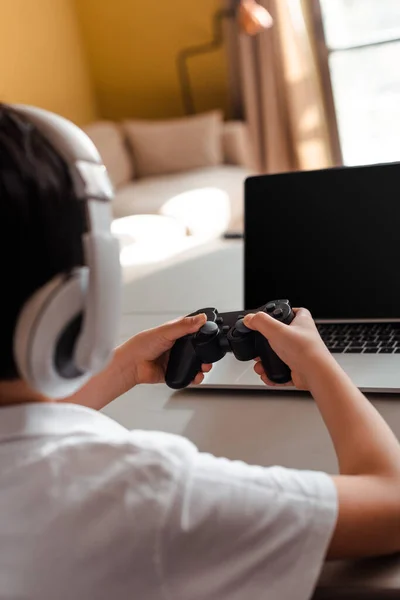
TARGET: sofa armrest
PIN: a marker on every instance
(236, 145)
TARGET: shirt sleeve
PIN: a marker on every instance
(241, 532)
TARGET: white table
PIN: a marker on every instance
(261, 427)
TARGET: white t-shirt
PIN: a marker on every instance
(92, 511)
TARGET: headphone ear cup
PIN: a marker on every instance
(46, 334)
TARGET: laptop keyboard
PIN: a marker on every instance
(358, 338)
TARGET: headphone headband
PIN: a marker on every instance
(102, 298)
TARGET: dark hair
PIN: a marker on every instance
(40, 218)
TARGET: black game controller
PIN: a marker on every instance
(224, 333)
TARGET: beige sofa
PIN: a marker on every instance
(199, 197)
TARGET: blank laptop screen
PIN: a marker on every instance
(328, 240)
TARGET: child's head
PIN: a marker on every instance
(41, 223)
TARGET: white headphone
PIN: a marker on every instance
(66, 331)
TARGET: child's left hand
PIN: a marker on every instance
(145, 356)
(142, 359)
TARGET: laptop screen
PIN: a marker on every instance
(328, 240)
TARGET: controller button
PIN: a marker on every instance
(207, 331)
(277, 313)
(271, 307)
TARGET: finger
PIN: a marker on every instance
(206, 368)
(270, 383)
(302, 313)
(259, 369)
(267, 381)
(176, 329)
(198, 379)
(263, 323)
(273, 384)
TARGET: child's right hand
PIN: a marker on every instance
(299, 345)
(368, 453)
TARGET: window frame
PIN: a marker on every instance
(323, 52)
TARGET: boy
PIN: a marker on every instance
(91, 510)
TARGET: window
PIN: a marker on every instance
(361, 41)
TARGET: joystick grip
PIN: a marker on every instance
(276, 370)
(183, 364)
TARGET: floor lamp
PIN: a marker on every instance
(252, 18)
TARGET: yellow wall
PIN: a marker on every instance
(132, 46)
(42, 61)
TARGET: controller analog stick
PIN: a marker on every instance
(240, 329)
(208, 330)
(277, 313)
(271, 307)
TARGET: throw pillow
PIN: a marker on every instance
(109, 141)
(175, 145)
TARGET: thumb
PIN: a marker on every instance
(176, 329)
(263, 323)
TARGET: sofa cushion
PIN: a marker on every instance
(167, 193)
(175, 145)
(109, 140)
(236, 146)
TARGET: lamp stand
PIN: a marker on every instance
(184, 55)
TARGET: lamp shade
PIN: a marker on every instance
(253, 18)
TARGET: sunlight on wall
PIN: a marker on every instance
(42, 60)
(132, 48)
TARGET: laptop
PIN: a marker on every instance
(328, 240)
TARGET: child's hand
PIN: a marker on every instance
(146, 354)
(299, 345)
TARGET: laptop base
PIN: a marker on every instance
(375, 373)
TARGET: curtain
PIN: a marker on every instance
(281, 95)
